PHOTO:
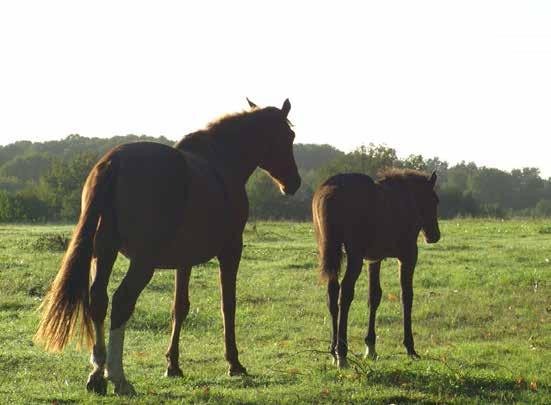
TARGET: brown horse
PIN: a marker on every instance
(373, 220)
(164, 207)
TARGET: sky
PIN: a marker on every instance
(461, 80)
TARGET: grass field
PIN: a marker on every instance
(481, 320)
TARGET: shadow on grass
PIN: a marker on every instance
(440, 378)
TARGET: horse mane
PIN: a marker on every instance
(394, 175)
(228, 125)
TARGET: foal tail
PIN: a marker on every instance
(68, 297)
(329, 240)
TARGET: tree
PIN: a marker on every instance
(543, 208)
(492, 187)
(366, 159)
(62, 186)
(26, 168)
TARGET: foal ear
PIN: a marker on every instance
(286, 107)
(432, 179)
(251, 104)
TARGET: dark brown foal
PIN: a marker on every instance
(372, 221)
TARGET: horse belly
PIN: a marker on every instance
(200, 237)
(169, 210)
(203, 228)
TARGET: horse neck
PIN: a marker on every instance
(239, 154)
(403, 198)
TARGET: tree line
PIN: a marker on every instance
(42, 181)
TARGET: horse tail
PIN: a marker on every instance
(68, 300)
(329, 239)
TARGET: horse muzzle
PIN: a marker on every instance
(432, 238)
(291, 187)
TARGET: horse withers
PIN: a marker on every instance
(163, 207)
(373, 220)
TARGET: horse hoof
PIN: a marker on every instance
(124, 388)
(370, 353)
(237, 370)
(174, 372)
(96, 384)
(342, 362)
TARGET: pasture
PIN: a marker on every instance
(481, 322)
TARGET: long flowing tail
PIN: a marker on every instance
(68, 297)
(329, 241)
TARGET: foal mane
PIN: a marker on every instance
(396, 175)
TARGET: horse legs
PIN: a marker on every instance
(333, 305)
(375, 293)
(353, 270)
(124, 301)
(105, 250)
(229, 264)
(406, 282)
(180, 310)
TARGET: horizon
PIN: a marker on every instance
(467, 82)
(398, 154)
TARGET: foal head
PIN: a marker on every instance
(427, 202)
(277, 157)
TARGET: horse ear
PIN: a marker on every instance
(251, 104)
(432, 179)
(286, 107)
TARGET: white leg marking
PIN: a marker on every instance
(114, 370)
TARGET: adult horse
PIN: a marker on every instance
(163, 207)
(373, 220)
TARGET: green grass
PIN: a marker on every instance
(481, 320)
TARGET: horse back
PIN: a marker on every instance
(344, 201)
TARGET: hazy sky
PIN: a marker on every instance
(462, 80)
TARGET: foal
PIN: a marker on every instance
(373, 221)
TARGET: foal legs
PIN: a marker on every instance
(406, 282)
(333, 305)
(229, 263)
(353, 270)
(124, 301)
(180, 310)
(375, 293)
(105, 247)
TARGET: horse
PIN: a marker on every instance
(373, 220)
(163, 208)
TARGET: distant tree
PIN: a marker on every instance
(527, 187)
(492, 187)
(22, 206)
(458, 176)
(26, 168)
(366, 159)
(267, 202)
(543, 208)
(62, 186)
(416, 162)
(311, 157)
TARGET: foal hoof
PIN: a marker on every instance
(174, 372)
(97, 384)
(124, 388)
(237, 370)
(342, 362)
(413, 355)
